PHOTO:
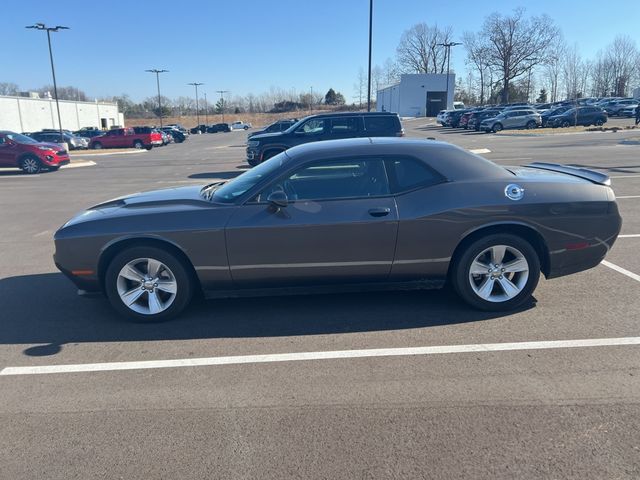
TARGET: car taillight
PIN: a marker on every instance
(400, 133)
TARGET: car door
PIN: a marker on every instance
(339, 227)
(7, 152)
(345, 127)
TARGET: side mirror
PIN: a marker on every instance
(278, 199)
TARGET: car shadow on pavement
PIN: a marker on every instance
(44, 311)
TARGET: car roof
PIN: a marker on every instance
(453, 162)
(351, 114)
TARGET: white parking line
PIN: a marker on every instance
(626, 176)
(328, 355)
(80, 164)
(634, 235)
(480, 150)
(612, 266)
(627, 196)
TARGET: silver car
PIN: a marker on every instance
(526, 118)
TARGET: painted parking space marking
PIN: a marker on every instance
(480, 150)
(615, 267)
(625, 176)
(326, 355)
(633, 235)
(80, 164)
(627, 196)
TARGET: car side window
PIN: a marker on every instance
(314, 126)
(406, 173)
(344, 125)
(333, 179)
(379, 125)
(2, 140)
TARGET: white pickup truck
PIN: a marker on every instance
(240, 126)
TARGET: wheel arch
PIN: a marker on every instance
(116, 246)
(522, 230)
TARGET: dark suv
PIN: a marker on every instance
(326, 126)
(279, 126)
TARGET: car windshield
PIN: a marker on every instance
(230, 191)
(16, 137)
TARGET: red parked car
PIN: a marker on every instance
(30, 155)
(126, 138)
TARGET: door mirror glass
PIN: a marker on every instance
(278, 199)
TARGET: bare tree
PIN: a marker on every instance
(8, 88)
(419, 52)
(517, 44)
(361, 86)
(553, 68)
(573, 73)
(478, 57)
(622, 57)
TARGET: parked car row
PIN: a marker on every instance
(494, 118)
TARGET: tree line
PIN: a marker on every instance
(509, 58)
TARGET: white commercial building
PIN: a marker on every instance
(26, 114)
(636, 93)
(417, 95)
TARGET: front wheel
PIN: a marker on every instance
(148, 284)
(599, 122)
(30, 165)
(565, 124)
(531, 125)
(496, 273)
(138, 144)
(497, 128)
(97, 146)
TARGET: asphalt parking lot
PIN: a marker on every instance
(494, 408)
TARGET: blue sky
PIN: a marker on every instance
(251, 45)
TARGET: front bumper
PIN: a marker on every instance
(253, 153)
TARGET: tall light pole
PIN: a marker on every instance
(222, 92)
(369, 77)
(206, 110)
(42, 26)
(196, 84)
(448, 46)
(158, 72)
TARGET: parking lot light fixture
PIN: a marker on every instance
(370, 37)
(42, 26)
(448, 46)
(197, 84)
(158, 72)
(206, 110)
(222, 92)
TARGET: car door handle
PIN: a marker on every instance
(379, 212)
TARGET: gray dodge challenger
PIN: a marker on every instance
(345, 215)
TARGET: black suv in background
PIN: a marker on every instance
(279, 126)
(326, 126)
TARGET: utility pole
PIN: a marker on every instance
(448, 46)
(196, 84)
(222, 92)
(206, 110)
(370, 34)
(311, 100)
(158, 72)
(42, 26)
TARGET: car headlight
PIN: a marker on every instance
(44, 149)
(253, 143)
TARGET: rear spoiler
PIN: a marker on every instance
(591, 175)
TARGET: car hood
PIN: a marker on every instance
(154, 198)
(265, 136)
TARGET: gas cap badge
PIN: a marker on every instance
(514, 191)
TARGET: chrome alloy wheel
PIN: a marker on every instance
(146, 286)
(30, 165)
(499, 273)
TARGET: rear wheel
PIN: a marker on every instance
(566, 124)
(496, 273)
(531, 125)
(497, 128)
(599, 122)
(138, 144)
(97, 146)
(148, 284)
(30, 164)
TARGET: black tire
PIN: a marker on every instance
(138, 144)
(599, 122)
(97, 146)
(184, 282)
(246, 127)
(531, 125)
(462, 280)
(253, 162)
(565, 124)
(497, 128)
(30, 164)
